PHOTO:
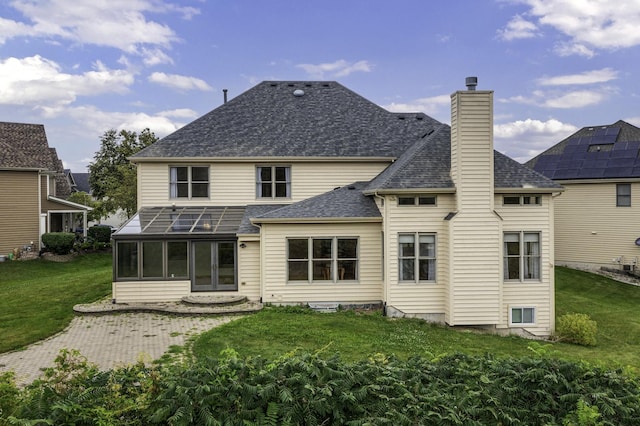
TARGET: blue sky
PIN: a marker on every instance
(82, 67)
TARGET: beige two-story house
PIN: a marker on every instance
(598, 216)
(303, 192)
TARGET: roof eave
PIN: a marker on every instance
(312, 220)
(270, 159)
(70, 203)
(450, 190)
(527, 190)
(598, 180)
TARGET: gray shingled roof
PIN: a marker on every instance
(427, 164)
(251, 211)
(269, 120)
(343, 202)
(25, 146)
(593, 152)
(82, 182)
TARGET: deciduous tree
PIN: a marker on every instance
(113, 179)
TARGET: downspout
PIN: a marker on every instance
(385, 280)
(552, 272)
(261, 262)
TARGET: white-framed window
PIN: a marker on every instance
(521, 256)
(417, 257)
(522, 315)
(623, 195)
(331, 259)
(189, 182)
(522, 200)
(273, 182)
(420, 200)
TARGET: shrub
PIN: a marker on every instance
(8, 394)
(59, 242)
(577, 328)
(101, 234)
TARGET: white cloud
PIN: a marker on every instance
(518, 28)
(633, 120)
(95, 121)
(576, 99)
(179, 113)
(339, 68)
(10, 29)
(38, 81)
(562, 100)
(524, 139)
(152, 57)
(429, 106)
(587, 77)
(120, 24)
(570, 49)
(589, 25)
(179, 82)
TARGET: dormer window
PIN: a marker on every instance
(273, 182)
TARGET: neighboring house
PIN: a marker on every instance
(303, 192)
(33, 188)
(597, 219)
(81, 184)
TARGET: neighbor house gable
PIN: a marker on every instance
(599, 167)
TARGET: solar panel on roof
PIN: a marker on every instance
(585, 140)
(600, 131)
(635, 172)
(573, 141)
(620, 146)
(566, 173)
(625, 153)
(598, 155)
(565, 164)
(608, 138)
(613, 131)
(591, 173)
(618, 172)
(633, 145)
(621, 162)
(570, 148)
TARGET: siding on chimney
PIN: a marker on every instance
(475, 233)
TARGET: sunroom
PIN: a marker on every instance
(165, 253)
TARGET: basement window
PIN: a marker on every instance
(522, 315)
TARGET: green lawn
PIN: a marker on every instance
(274, 332)
(37, 296)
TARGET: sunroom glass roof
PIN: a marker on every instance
(184, 220)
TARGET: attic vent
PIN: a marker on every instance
(419, 117)
(325, 84)
(273, 85)
(401, 117)
(298, 92)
